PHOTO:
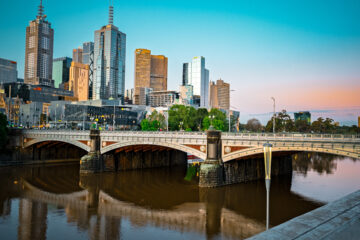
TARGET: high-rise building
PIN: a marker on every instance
(162, 98)
(109, 62)
(220, 95)
(358, 121)
(78, 55)
(87, 51)
(8, 71)
(79, 81)
(39, 51)
(150, 72)
(195, 74)
(186, 94)
(60, 70)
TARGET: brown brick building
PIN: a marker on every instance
(220, 95)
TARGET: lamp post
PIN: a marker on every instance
(273, 115)
(211, 122)
(267, 161)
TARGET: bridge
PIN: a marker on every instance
(233, 145)
(214, 147)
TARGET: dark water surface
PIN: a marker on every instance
(55, 202)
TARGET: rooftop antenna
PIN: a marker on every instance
(41, 10)
(111, 13)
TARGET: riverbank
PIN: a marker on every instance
(339, 219)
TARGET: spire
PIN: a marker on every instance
(111, 13)
(41, 10)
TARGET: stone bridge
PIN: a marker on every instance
(233, 145)
(219, 150)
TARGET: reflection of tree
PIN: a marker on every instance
(319, 162)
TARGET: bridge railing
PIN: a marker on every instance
(293, 136)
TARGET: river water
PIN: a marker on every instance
(55, 202)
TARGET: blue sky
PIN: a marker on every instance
(304, 53)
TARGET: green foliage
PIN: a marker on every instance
(217, 119)
(302, 126)
(283, 123)
(3, 131)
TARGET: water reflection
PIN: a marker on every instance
(104, 205)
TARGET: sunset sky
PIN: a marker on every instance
(304, 53)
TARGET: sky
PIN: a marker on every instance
(304, 53)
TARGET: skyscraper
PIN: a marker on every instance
(8, 71)
(220, 95)
(195, 74)
(39, 51)
(78, 55)
(150, 72)
(87, 51)
(61, 68)
(109, 62)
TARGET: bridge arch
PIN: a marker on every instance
(175, 146)
(71, 142)
(259, 150)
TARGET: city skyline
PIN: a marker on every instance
(275, 54)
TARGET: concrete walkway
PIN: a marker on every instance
(336, 220)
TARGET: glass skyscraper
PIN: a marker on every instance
(195, 74)
(60, 70)
(109, 62)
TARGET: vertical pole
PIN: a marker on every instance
(274, 115)
(267, 184)
(114, 118)
(229, 120)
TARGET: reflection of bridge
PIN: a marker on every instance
(233, 146)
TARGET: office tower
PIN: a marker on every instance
(109, 62)
(195, 74)
(79, 81)
(60, 72)
(78, 55)
(87, 51)
(162, 98)
(8, 71)
(220, 95)
(304, 116)
(39, 51)
(186, 94)
(150, 72)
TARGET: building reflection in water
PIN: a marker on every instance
(159, 198)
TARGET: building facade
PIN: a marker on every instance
(195, 74)
(8, 71)
(79, 81)
(150, 72)
(39, 51)
(109, 62)
(303, 116)
(163, 98)
(61, 68)
(186, 94)
(220, 95)
(78, 55)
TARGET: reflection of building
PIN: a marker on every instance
(109, 62)
(32, 220)
(150, 72)
(61, 68)
(79, 81)
(8, 71)
(162, 98)
(220, 95)
(39, 51)
(195, 74)
(186, 94)
(305, 116)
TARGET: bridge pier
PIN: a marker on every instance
(92, 162)
(212, 170)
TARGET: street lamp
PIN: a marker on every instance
(274, 115)
(267, 161)
(211, 122)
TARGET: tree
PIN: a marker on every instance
(156, 116)
(145, 125)
(253, 125)
(283, 123)
(3, 131)
(302, 126)
(217, 119)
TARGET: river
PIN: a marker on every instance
(55, 202)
